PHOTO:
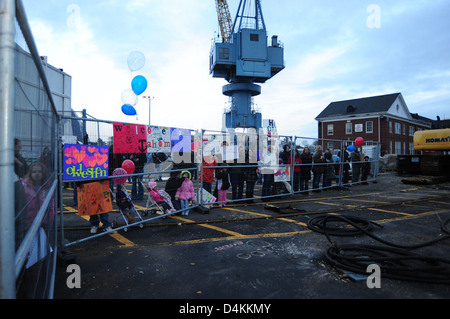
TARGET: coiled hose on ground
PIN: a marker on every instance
(395, 261)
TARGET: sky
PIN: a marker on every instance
(333, 49)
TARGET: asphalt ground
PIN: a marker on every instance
(246, 251)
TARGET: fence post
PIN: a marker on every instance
(7, 178)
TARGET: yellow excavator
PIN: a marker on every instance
(434, 146)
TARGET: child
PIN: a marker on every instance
(36, 188)
(160, 196)
(124, 202)
(223, 183)
(365, 170)
(185, 192)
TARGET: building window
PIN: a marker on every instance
(411, 131)
(398, 128)
(224, 53)
(411, 148)
(390, 127)
(369, 127)
(330, 129)
(398, 147)
(348, 128)
(369, 143)
(404, 129)
(254, 37)
(330, 145)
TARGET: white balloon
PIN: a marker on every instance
(136, 60)
(129, 97)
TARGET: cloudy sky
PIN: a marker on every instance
(334, 50)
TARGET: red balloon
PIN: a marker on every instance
(128, 166)
(359, 141)
(120, 180)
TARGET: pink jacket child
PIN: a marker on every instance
(36, 191)
(185, 192)
(160, 196)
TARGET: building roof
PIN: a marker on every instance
(374, 104)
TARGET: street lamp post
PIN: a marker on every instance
(149, 98)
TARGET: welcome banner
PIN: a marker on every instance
(158, 139)
(134, 138)
(129, 138)
(85, 162)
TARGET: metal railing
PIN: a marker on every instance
(254, 172)
(28, 127)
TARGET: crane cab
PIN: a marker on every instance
(247, 56)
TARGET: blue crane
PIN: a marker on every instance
(243, 58)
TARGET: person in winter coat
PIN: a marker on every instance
(356, 165)
(297, 169)
(36, 189)
(269, 167)
(223, 184)
(137, 190)
(285, 155)
(365, 169)
(305, 175)
(186, 192)
(208, 172)
(125, 203)
(160, 196)
(173, 183)
(251, 173)
(345, 159)
(319, 166)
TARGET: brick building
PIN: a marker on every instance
(383, 120)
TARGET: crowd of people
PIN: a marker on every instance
(312, 171)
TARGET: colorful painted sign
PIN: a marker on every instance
(84, 162)
(129, 138)
(158, 139)
(94, 198)
(207, 198)
(283, 175)
(180, 140)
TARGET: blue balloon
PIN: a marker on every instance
(128, 109)
(350, 148)
(139, 84)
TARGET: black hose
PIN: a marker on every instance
(340, 225)
(319, 224)
(396, 261)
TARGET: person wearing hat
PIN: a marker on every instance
(186, 192)
(160, 196)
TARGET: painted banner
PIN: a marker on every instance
(84, 162)
(129, 138)
(94, 198)
(158, 139)
(207, 198)
(180, 140)
(283, 174)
